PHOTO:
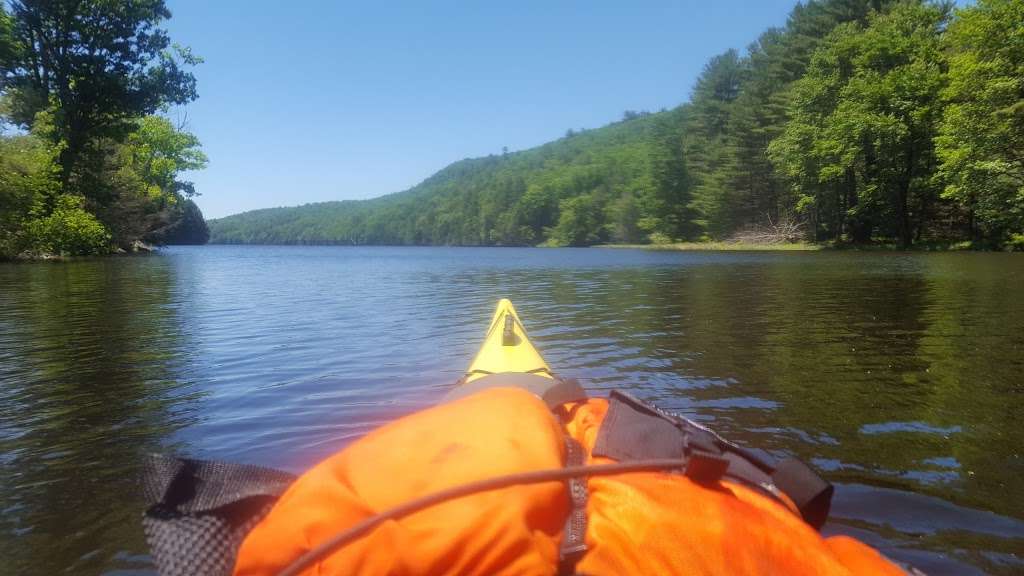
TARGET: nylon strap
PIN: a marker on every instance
(635, 430)
(574, 544)
(811, 494)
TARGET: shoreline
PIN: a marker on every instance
(137, 248)
(717, 246)
(806, 247)
(723, 247)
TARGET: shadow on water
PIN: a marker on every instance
(89, 360)
(898, 376)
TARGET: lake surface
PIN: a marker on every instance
(900, 376)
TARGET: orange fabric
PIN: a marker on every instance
(642, 523)
(650, 523)
(493, 433)
(860, 558)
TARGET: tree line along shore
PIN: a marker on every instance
(857, 123)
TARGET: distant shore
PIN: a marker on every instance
(804, 247)
(723, 246)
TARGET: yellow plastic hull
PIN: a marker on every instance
(506, 348)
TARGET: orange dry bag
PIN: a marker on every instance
(703, 519)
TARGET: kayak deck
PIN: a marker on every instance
(506, 348)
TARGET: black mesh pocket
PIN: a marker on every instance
(201, 511)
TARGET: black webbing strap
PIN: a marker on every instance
(810, 492)
(635, 430)
(574, 544)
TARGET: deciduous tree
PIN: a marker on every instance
(981, 144)
(96, 65)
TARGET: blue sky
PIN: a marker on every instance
(309, 101)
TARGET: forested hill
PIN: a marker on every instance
(857, 121)
(569, 190)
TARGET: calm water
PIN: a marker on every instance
(900, 376)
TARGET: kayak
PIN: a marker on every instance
(506, 348)
(516, 471)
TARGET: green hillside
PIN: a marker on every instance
(858, 121)
(512, 199)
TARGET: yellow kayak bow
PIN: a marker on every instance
(506, 348)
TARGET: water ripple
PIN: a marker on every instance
(897, 375)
